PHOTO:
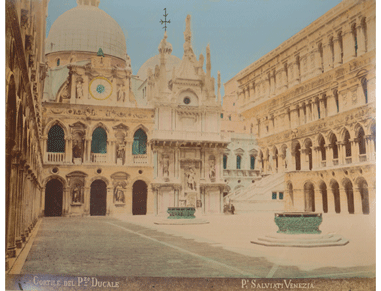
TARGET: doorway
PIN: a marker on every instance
(139, 198)
(98, 193)
(53, 198)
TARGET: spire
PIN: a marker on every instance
(208, 63)
(94, 3)
(218, 87)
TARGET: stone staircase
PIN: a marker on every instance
(258, 196)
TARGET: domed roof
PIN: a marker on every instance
(170, 62)
(86, 28)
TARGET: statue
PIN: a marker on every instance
(212, 170)
(121, 94)
(191, 182)
(119, 193)
(77, 149)
(120, 151)
(77, 193)
(79, 90)
(165, 166)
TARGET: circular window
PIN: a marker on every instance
(55, 170)
(140, 172)
(187, 100)
(99, 171)
(239, 181)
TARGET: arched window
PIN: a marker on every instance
(58, 62)
(354, 34)
(56, 140)
(364, 85)
(297, 157)
(340, 37)
(238, 162)
(321, 57)
(99, 141)
(225, 161)
(336, 95)
(347, 144)
(335, 150)
(361, 140)
(139, 146)
(322, 149)
(252, 162)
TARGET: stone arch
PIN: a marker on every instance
(348, 188)
(102, 125)
(309, 196)
(52, 177)
(103, 178)
(335, 189)
(54, 122)
(142, 127)
(363, 190)
(322, 186)
(143, 178)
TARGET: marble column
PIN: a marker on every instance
(343, 202)
(156, 198)
(86, 200)
(304, 159)
(294, 116)
(355, 150)
(301, 114)
(330, 200)
(109, 200)
(318, 201)
(251, 92)
(357, 201)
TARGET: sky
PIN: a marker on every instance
(239, 32)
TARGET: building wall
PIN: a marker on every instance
(312, 104)
(25, 72)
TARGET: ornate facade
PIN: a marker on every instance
(25, 73)
(311, 102)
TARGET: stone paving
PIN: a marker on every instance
(104, 246)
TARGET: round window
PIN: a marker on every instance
(99, 171)
(187, 100)
(55, 170)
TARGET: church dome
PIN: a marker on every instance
(170, 62)
(86, 28)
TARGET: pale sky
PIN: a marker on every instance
(239, 31)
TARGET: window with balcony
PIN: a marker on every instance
(139, 146)
(56, 140)
(99, 141)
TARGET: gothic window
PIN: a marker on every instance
(139, 146)
(56, 140)
(225, 161)
(252, 162)
(364, 85)
(361, 141)
(336, 94)
(99, 141)
(238, 162)
(297, 157)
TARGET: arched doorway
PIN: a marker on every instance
(323, 191)
(98, 193)
(53, 198)
(348, 188)
(309, 197)
(139, 198)
(363, 189)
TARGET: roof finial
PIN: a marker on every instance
(165, 21)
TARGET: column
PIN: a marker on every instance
(109, 200)
(304, 74)
(341, 152)
(66, 201)
(294, 116)
(355, 150)
(323, 110)
(348, 44)
(336, 51)
(203, 163)
(304, 159)
(361, 49)
(357, 200)
(330, 200)
(88, 150)
(202, 196)
(316, 157)
(318, 201)
(221, 200)
(251, 92)
(371, 33)
(329, 155)
(246, 94)
(279, 78)
(301, 113)
(155, 200)
(86, 199)
(343, 202)
(316, 67)
(327, 55)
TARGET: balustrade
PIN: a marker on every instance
(348, 160)
(55, 157)
(140, 159)
(335, 162)
(98, 158)
(362, 158)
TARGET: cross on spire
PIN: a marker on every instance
(165, 19)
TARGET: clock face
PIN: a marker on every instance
(100, 88)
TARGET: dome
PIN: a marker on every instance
(86, 28)
(171, 61)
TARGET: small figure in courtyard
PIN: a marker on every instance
(77, 193)
(232, 209)
(191, 182)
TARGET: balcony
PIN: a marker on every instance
(99, 158)
(335, 162)
(55, 157)
(348, 160)
(140, 159)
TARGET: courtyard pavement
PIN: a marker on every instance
(135, 246)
